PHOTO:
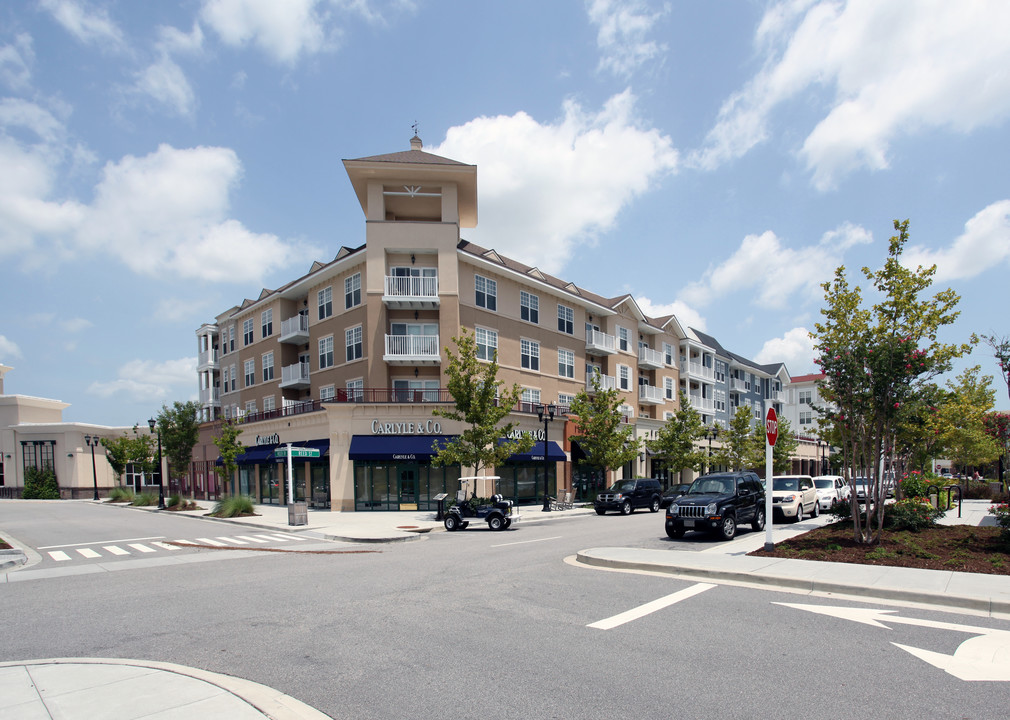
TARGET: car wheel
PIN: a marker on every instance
(494, 522)
(626, 507)
(654, 507)
(451, 523)
(759, 520)
(727, 528)
(799, 513)
(507, 524)
(601, 511)
(817, 509)
(675, 532)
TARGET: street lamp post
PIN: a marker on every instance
(546, 415)
(712, 433)
(152, 423)
(92, 443)
(824, 463)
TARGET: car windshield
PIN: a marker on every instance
(824, 484)
(623, 486)
(785, 484)
(711, 485)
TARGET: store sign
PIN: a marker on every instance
(517, 434)
(274, 439)
(428, 427)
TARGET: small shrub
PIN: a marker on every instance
(40, 484)
(833, 547)
(145, 499)
(915, 513)
(914, 484)
(121, 494)
(233, 506)
(1002, 513)
(842, 510)
(173, 500)
(880, 554)
(976, 490)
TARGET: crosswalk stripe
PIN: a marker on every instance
(233, 540)
(88, 553)
(251, 539)
(208, 541)
(185, 542)
(288, 536)
(115, 550)
(59, 555)
(141, 548)
(273, 538)
(165, 546)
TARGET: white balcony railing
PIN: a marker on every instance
(651, 395)
(738, 385)
(295, 329)
(296, 375)
(400, 290)
(700, 403)
(210, 396)
(696, 369)
(208, 358)
(600, 342)
(607, 382)
(649, 358)
(410, 349)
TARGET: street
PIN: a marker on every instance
(477, 623)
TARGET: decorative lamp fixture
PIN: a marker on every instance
(546, 415)
(152, 423)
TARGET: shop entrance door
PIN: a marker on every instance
(408, 487)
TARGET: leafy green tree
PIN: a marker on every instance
(117, 453)
(138, 450)
(40, 484)
(481, 403)
(677, 440)
(785, 447)
(609, 442)
(737, 449)
(875, 359)
(180, 431)
(1001, 352)
(962, 419)
(230, 448)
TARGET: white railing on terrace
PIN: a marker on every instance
(299, 372)
(596, 340)
(412, 345)
(651, 394)
(607, 382)
(696, 369)
(208, 357)
(651, 357)
(299, 324)
(777, 395)
(700, 403)
(209, 395)
(412, 287)
(738, 385)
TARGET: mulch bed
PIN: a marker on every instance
(961, 548)
(4, 545)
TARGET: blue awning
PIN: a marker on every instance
(554, 454)
(405, 448)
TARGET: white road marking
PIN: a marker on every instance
(233, 541)
(523, 542)
(185, 542)
(273, 538)
(115, 550)
(288, 536)
(88, 553)
(59, 556)
(208, 541)
(251, 539)
(165, 546)
(141, 548)
(650, 607)
(100, 542)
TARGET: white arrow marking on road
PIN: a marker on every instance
(651, 607)
(985, 657)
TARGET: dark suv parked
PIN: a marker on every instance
(718, 503)
(626, 495)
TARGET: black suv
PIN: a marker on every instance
(626, 495)
(718, 503)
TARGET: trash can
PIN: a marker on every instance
(298, 513)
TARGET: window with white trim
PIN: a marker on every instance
(355, 390)
(668, 415)
(268, 366)
(247, 331)
(624, 377)
(231, 338)
(269, 403)
(624, 338)
(530, 396)
(566, 363)
(267, 322)
(566, 319)
(250, 407)
(326, 352)
(352, 291)
(487, 343)
(327, 392)
(668, 388)
(668, 353)
(720, 400)
(806, 417)
(224, 378)
(565, 400)
(352, 341)
(529, 355)
(250, 373)
(324, 302)
(806, 397)
(720, 371)
(486, 293)
(627, 411)
(529, 307)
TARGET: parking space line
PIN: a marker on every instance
(650, 607)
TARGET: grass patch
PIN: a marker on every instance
(233, 506)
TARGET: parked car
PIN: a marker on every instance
(673, 492)
(831, 489)
(718, 503)
(793, 496)
(861, 484)
(626, 495)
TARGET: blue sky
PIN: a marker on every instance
(163, 161)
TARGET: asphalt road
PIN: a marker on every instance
(481, 624)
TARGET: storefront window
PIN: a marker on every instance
(270, 492)
(320, 485)
(382, 486)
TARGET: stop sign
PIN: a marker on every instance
(771, 426)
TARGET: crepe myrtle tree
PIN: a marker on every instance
(960, 420)
(481, 403)
(997, 424)
(601, 430)
(875, 360)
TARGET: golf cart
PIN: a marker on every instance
(499, 515)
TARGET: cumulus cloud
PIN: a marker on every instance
(984, 244)
(8, 349)
(795, 349)
(548, 187)
(285, 31)
(144, 380)
(776, 272)
(16, 62)
(622, 36)
(894, 68)
(166, 83)
(91, 26)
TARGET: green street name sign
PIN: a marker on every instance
(296, 453)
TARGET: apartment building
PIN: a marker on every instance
(349, 359)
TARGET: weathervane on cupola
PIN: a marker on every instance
(415, 142)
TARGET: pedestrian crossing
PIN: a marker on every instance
(91, 551)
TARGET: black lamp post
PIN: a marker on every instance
(824, 461)
(152, 423)
(546, 414)
(92, 443)
(712, 433)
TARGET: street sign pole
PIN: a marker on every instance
(771, 435)
(291, 477)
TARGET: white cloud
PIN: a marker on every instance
(90, 26)
(895, 68)
(8, 349)
(624, 26)
(763, 263)
(546, 188)
(143, 380)
(687, 316)
(285, 31)
(795, 349)
(985, 244)
(165, 82)
(16, 62)
(76, 325)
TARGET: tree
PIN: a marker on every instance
(874, 361)
(228, 445)
(785, 447)
(737, 449)
(180, 431)
(961, 420)
(677, 440)
(40, 484)
(481, 405)
(125, 450)
(997, 424)
(1001, 351)
(608, 441)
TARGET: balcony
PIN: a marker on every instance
(295, 330)
(778, 396)
(207, 360)
(210, 396)
(650, 359)
(649, 395)
(607, 382)
(295, 376)
(696, 370)
(737, 385)
(599, 343)
(413, 293)
(701, 404)
(412, 350)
